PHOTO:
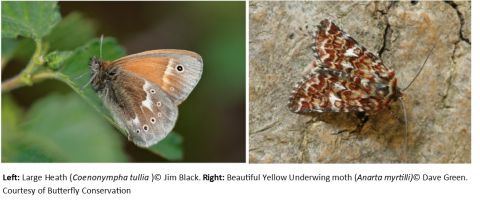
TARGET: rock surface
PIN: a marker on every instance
(403, 34)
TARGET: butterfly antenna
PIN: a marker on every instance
(420, 70)
(88, 83)
(406, 127)
(81, 76)
(101, 45)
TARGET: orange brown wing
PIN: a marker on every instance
(176, 72)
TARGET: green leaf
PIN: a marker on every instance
(170, 147)
(19, 147)
(8, 49)
(33, 19)
(16, 146)
(76, 26)
(11, 113)
(55, 59)
(71, 130)
(24, 49)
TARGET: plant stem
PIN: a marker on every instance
(16, 82)
(26, 77)
(11, 83)
(37, 59)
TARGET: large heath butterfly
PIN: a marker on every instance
(142, 91)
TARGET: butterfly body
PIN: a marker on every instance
(345, 77)
(142, 91)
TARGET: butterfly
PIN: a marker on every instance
(143, 90)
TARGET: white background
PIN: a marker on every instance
(269, 190)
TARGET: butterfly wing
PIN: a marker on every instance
(328, 90)
(336, 50)
(176, 72)
(140, 107)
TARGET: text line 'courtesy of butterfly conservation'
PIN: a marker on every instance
(143, 91)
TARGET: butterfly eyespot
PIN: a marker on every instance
(153, 120)
(159, 104)
(145, 127)
(137, 131)
(159, 114)
(179, 68)
(152, 91)
(172, 89)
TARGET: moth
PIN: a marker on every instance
(344, 77)
(142, 91)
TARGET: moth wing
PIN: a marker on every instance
(176, 72)
(337, 50)
(327, 90)
(142, 108)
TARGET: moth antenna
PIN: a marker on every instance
(101, 45)
(420, 70)
(406, 127)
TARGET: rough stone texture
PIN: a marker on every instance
(402, 33)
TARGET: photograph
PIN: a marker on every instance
(359, 82)
(125, 99)
(123, 82)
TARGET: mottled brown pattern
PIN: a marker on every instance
(312, 95)
(365, 84)
(331, 50)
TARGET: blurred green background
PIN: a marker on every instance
(48, 122)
